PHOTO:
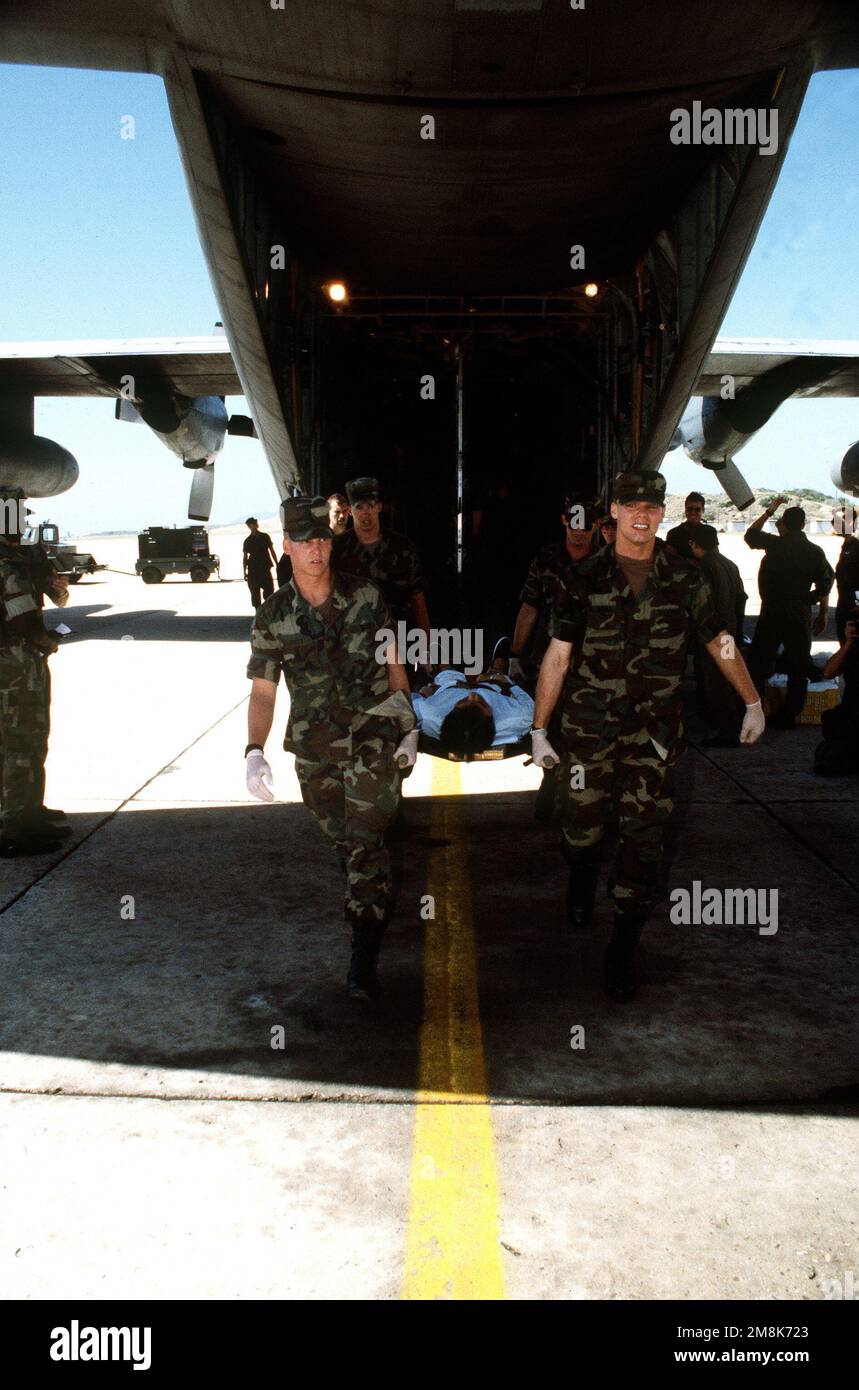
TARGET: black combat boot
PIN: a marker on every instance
(621, 980)
(581, 893)
(362, 980)
(50, 823)
(29, 837)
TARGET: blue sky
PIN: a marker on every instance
(99, 240)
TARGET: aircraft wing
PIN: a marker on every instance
(746, 359)
(203, 366)
(195, 366)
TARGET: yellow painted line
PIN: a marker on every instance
(452, 1247)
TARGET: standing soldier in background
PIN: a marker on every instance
(797, 576)
(729, 600)
(348, 713)
(338, 513)
(387, 558)
(679, 537)
(531, 634)
(27, 825)
(550, 564)
(617, 651)
(847, 568)
(257, 559)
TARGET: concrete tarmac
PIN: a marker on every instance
(193, 1108)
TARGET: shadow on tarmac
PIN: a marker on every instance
(149, 625)
(238, 929)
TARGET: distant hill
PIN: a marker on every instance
(719, 510)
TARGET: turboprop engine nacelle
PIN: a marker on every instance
(845, 475)
(709, 439)
(194, 429)
(707, 434)
(715, 428)
(38, 467)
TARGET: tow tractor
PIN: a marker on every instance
(66, 559)
(175, 550)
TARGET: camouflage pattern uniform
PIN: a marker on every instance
(391, 562)
(344, 724)
(621, 700)
(25, 692)
(547, 570)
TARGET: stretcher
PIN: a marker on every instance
(435, 749)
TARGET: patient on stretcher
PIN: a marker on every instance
(470, 714)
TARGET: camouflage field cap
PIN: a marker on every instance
(362, 490)
(306, 519)
(639, 487)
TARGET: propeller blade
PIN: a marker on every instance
(735, 485)
(202, 491)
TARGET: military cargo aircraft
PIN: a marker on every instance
(177, 386)
(467, 245)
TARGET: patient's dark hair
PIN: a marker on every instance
(467, 730)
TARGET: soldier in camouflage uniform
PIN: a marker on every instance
(548, 568)
(387, 558)
(618, 634)
(27, 826)
(531, 634)
(349, 710)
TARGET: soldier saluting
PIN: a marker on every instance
(348, 713)
(618, 637)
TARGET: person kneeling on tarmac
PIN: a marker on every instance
(347, 712)
(839, 751)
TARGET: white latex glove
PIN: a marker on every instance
(753, 724)
(258, 776)
(406, 752)
(542, 752)
(516, 671)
